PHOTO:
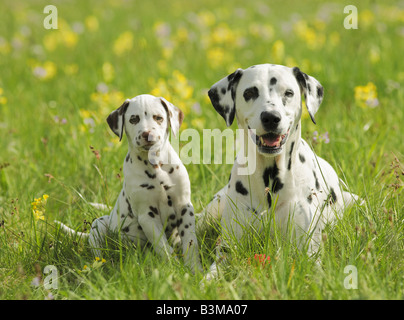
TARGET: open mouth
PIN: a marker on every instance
(269, 142)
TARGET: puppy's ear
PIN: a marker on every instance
(175, 116)
(312, 89)
(223, 96)
(116, 119)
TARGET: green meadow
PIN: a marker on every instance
(57, 153)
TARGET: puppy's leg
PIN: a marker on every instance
(186, 230)
(214, 268)
(99, 230)
(152, 227)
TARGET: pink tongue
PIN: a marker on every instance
(272, 142)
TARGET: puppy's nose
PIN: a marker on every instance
(270, 120)
(147, 136)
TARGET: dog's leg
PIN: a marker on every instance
(153, 229)
(185, 225)
(212, 212)
(99, 230)
(214, 268)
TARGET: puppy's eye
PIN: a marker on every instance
(158, 119)
(289, 93)
(134, 119)
(250, 93)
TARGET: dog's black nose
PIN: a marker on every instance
(270, 120)
(148, 136)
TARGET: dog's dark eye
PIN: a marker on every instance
(134, 119)
(289, 93)
(158, 118)
(250, 93)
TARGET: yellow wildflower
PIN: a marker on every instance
(3, 100)
(5, 47)
(108, 72)
(71, 69)
(38, 207)
(91, 23)
(206, 18)
(278, 51)
(124, 43)
(366, 18)
(366, 96)
(45, 71)
(215, 57)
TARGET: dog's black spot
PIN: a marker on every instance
(250, 93)
(154, 210)
(309, 88)
(186, 226)
(277, 185)
(223, 90)
(265, 176)
(270, 173)
(172, 216)
(179, 222)
(320, 91)
(171, 170)
(333, 196)
(144, 185)
(291, 148)
(269, 200)
(145, 113)
(310, 198)
(150, 187)
(240, 188)
(173, 225)
(290, 155)
(184, 211)
(191, 213)
(302, 158)
(139, 158)
(139, 228)
(166, 187)
(122, 216)
(151, 214)
(126, 229)
(182, 233)
(130, 212)
(169, 202)
(127, 157)
(317, 183)
(297, 126)
(273, 81)
(145, 162)
(151, 176)
(229, 177)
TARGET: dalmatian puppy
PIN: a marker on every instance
(155, 199)
(289, 180)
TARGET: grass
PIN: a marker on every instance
(58, 87)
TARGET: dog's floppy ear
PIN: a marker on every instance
(175, 116)
(223, 96)
(116, 119)
(312, 89)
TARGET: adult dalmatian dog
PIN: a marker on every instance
(301, 189)
(155, 200)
